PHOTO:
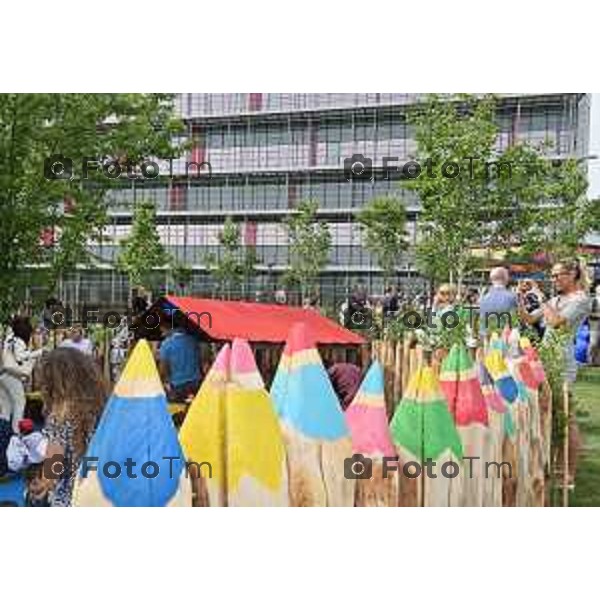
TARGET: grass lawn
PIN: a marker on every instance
(587, 395)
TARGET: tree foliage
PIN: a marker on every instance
(234, 263)
(383, 221)
(309, 244)
(180, 275)
(513, 198)
(142, 252)
(71, 211)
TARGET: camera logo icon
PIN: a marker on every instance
(58, 166)
(358, 167)
(58, 317)
(358, 466)
(358, 318)
(54, 467)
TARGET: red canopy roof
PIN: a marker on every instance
(256, 322)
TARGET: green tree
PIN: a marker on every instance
(180, 275)
(235, 263)
(35, 127)
(309, 244)
(383, 221)
(142, 251)
(568, 215)
(496, 200)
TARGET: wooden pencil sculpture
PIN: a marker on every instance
(368, 423)
(506, 386)
(538, 381)
(532, 448)
(460, 383)
(423, 430)
(498, 369)
(315, 432)
(203, 432)
(497, 409)
(256, 463)
(233, 426)
(521, 410)
(521, 413)
(531, 353)
(135, 427)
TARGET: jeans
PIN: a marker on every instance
(12, 399)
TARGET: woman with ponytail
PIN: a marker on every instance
(565, 312)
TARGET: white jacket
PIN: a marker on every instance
(17, 359)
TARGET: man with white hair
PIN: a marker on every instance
(498, 302)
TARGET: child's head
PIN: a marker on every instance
(73, 389)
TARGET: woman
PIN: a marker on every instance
(430, 334)
(17, 365)
(444, 299)
(74, 393)
(565, 312)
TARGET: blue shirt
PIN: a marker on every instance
(181, 352)
(495, 301)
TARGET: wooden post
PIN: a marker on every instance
(565, 482)
(106, 355)
(405, 363)
(375, 350)
(397, 389)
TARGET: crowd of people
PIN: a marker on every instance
(73, 388)
(569, 301)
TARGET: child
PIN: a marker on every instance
(18, 454)
(74, 393)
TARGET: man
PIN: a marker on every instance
(357, 304)
(498, 302)
(359, 299)
(390, 301)
(180, 360)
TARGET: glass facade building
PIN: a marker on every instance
(267, 152)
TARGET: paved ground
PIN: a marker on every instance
(587, 486)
